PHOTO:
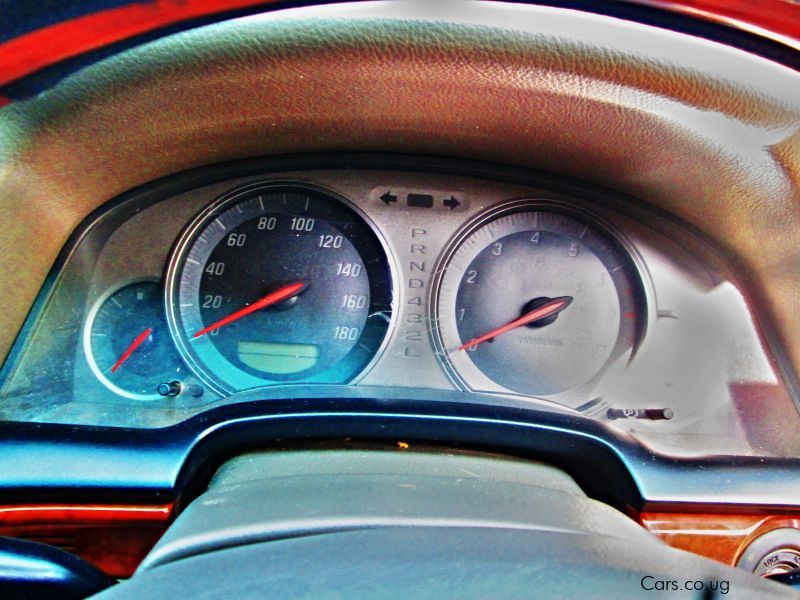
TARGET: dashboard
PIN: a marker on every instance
(378, 231)
(401, 281)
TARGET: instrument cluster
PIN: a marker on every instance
(396, 284)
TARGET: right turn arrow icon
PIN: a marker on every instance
(451, 202)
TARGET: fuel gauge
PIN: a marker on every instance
(127, 342)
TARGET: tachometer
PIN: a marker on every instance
(279, 283)
(536, 299)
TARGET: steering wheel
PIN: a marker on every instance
(414, 524)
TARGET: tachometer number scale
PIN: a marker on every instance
(538, 301)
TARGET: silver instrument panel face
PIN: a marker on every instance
(521, 295)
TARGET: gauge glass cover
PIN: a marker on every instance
(268, 241)
(519, 259)
(127, 343)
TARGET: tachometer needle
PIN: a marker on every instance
(132, 348)
(554, 306)
(284, 293)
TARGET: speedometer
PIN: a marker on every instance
(538, 299)
(279, 283)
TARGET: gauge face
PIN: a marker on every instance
(279, 284)
(127, 342)
(535, 301)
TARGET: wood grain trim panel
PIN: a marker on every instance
(721, 537)
(114, 538)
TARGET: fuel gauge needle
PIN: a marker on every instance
(132, 348)
(284, 293)
(554, 306)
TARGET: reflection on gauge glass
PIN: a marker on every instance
(279, 283)
(538, 300)
(127, 342)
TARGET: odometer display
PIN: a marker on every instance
(278, 284)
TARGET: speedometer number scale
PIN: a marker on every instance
(538, 301)
(279, 284)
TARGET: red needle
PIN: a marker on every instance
(554, 306)
(284, 293)
(132, 348)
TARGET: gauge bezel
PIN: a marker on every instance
(220, 205)
(86, 336)
(570, 208)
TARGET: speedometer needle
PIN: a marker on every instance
(554, 306)
(132, 348)
(284, 293)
